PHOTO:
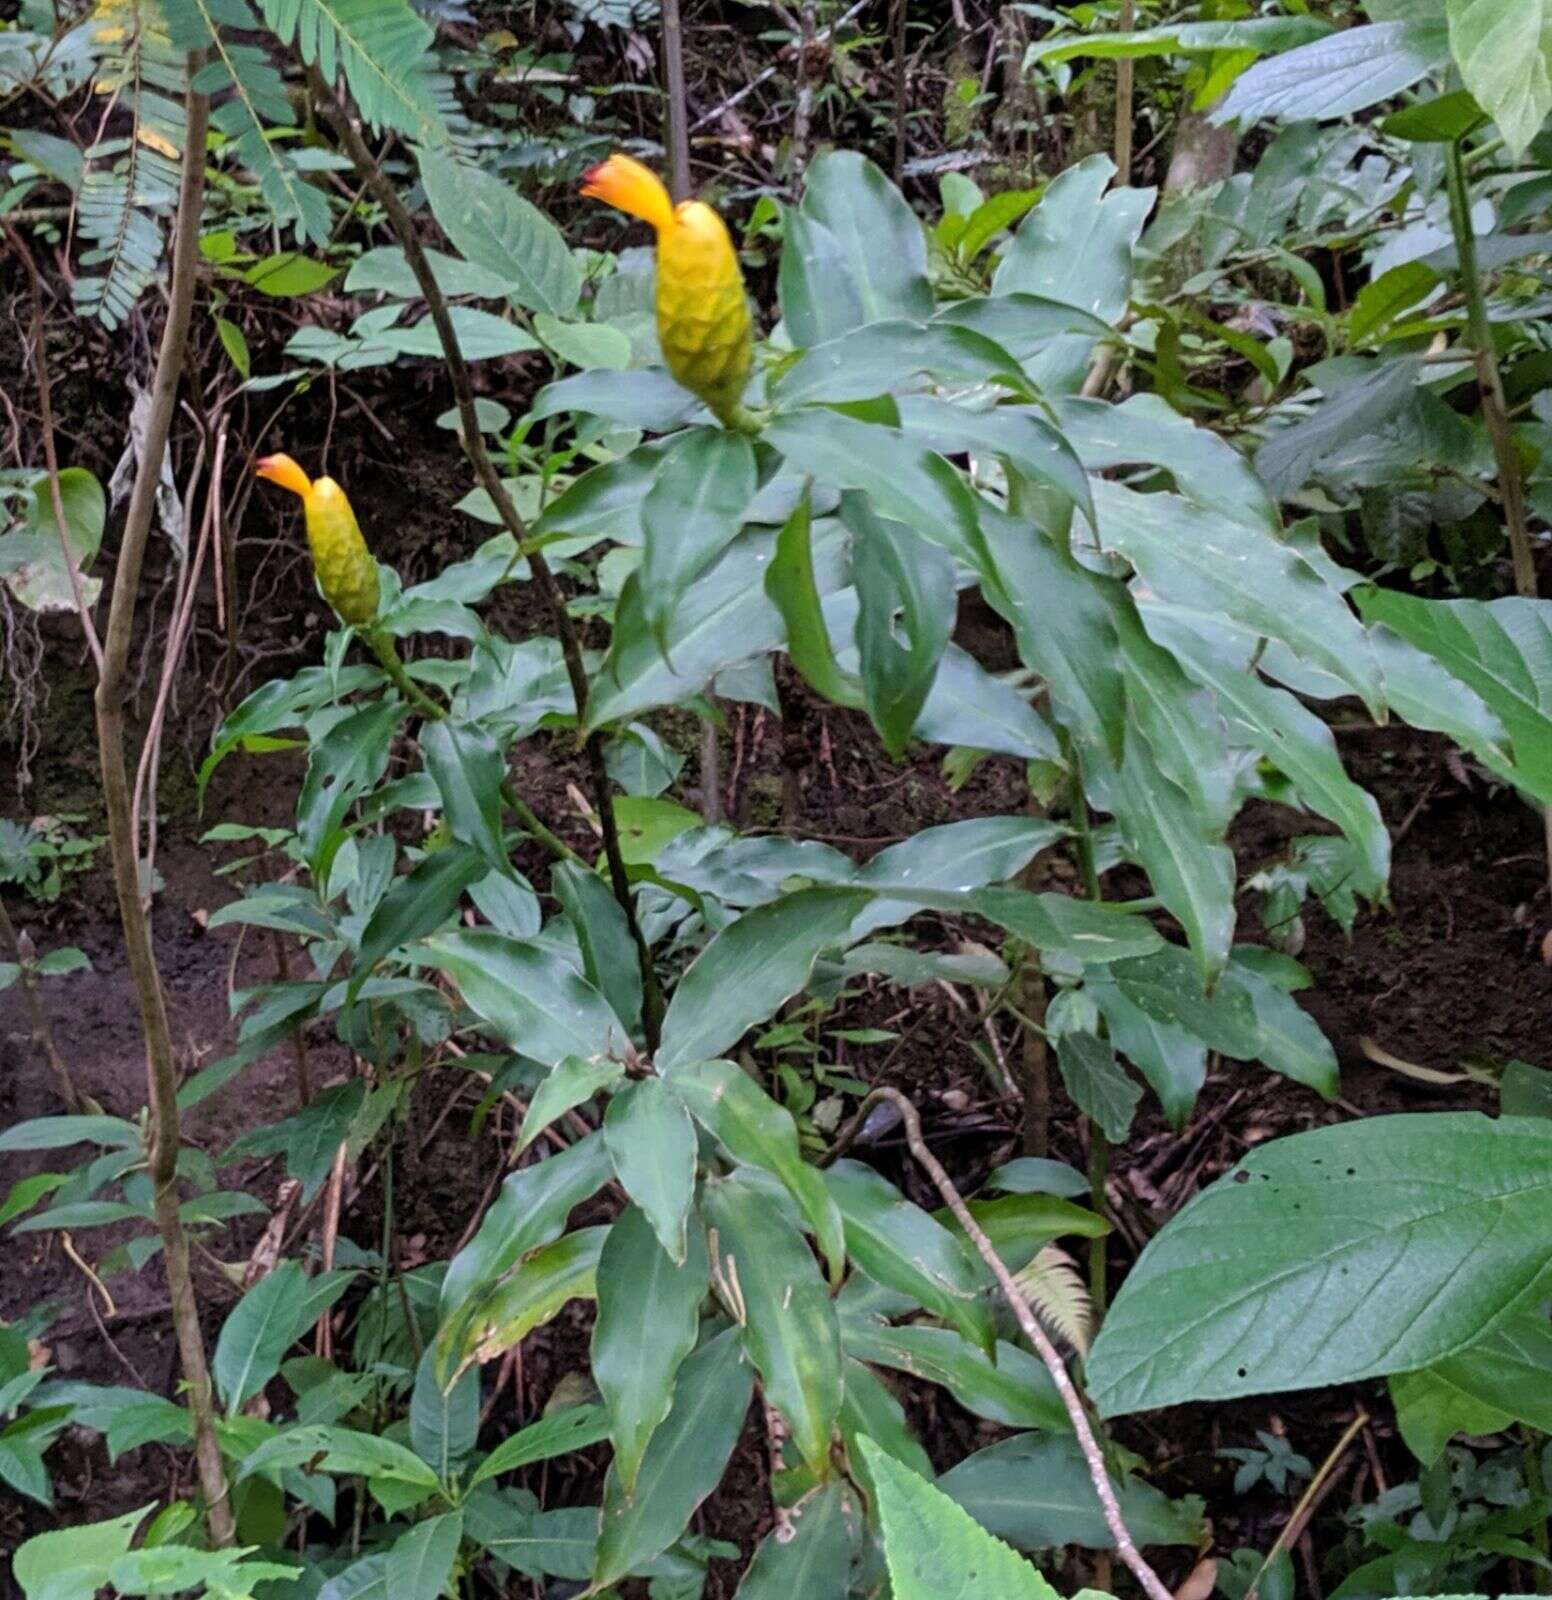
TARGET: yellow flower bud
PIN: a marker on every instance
(347, 574)
(702, 314)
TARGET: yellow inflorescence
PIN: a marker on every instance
(347, 574)
(702, 315)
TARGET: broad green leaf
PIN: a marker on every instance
(647, 399)
(539, 1544)
(289, 275)
(1415, 1236)
(749, 968)
(1422, 690)
(870, 1409)
(495, 228)
(1017, 1391)
(1076, 246)
(530, 1211)
(904, 481)
(789, 1326)
(735, 1110)
(937, 1552)
(469, 770)
(386, 271)
(1019, 1226)
(1038, 1175)
(648, 1319)
(1098, 1084)
(606, 500)
(1501, 649)
(1440, 120)
(906, 1250)
(907, 609)
(889, 357)
(1342, 73)
(416, 1567)
(341, 1450)
(683, 1463)
(968, 706)
(1291, 1041)
(648, 823)
(1183, 851)
(813, 1561)
(1172, 1058)
(789, 581)
(55, 1133)
(342, 766)
(609, 958)
(311, 1137)
(1023, 324)
(25, 1193)
(1207, 562)
(1020, 435)
(692, 512)
(568, 1083)
(1168, 988)
(651, 1142)
(1035, 1491)
(85, 507)
(879, 241)
(1384, 298)
(726, 616)
(558, 1434)
(529, 994)
(1291, 738)
(819, 300)
(585, 344)
(1145, 429)
(992, 217)
(1063, 617)
(415, 906)
(263, 1326)
(1504, 51)
(444, 1424)
(73, 1561)
(1501, 1380)
(1255, 35)
(541, 1285)
(1083, 930)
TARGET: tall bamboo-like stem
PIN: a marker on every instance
(1495, 407)
(161, 1074)
(1126, 78)
(677, 110)
(473, 439)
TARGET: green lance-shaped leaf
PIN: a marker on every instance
(535, 1292)
(530, 995)
(813, 1559)
(530, 1211)
(468, 769)
(558, 1434)
(936, 1550)
(789, 1322)
(693, 510)
(1412, 1237)
(683, 1463)
(495, 228)
(737, 1112)
(748, 969)
(651, 1142)
(648, 1316)
(568, 1084)
(609, 959)
(416, 905)
(265, 1323)
(906, 590)
(905, 1249)
(789, 581)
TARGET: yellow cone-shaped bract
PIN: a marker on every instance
(702, 315)
(347, 574)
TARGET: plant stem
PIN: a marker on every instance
(161, 1074)
(382, 646)
(1495, 407)
(1126, 76)
(1030, 1327)
(530, 821)
(677, 105)
(403, 224)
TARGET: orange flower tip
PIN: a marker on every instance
(283, 470)
(627, 185)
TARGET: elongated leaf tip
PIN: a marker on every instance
(283, 470)
(624, 183)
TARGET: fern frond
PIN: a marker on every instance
(380, 47)
(1057, 1294)
(249, 101)
(129, 185)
